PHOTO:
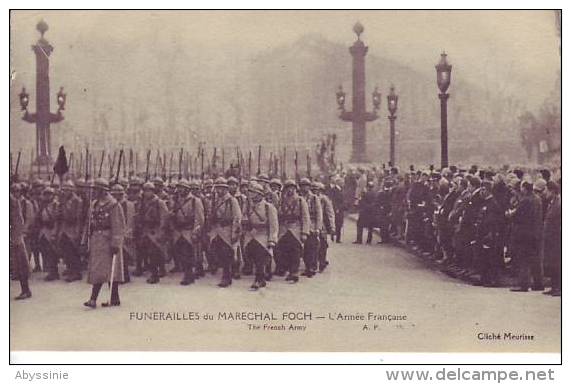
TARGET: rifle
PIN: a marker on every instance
(259, 159)
(86, 163)
(202, 165)
(296, 169)
(148, 164)
(249, 164)
(131, 167)
(32, 164)
(170, 167)
(284, 165)
(101, 163)
(119, 166)
(164, 163)
(71, 164)
(180, 164)
(223, 162)
(112, 166)
(308, 158)
(157, 159)
(17, 164)
(270, 162)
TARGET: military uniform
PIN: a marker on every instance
(311, 245)
(69, 234)
(294, 228)
(47, 222)
(151, 217)
(225, 230)
(187, 222)
(129, 213)
(106, 235)
(488, 228)
(327, 228)
(18, 248)
(260, 235)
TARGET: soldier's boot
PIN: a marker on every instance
(23, 296)
(188, 277)
(226, 278)
(154, 279)
(52, 276)
(162, 271)
(73, 276)
(323, 265)
(292, 278)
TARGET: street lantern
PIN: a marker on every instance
(376, 99)
(443, 73)
(392, 101)
(340, 98)
(24, 99)
(61, 96)
(443, 77)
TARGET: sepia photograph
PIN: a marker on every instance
(379, 181)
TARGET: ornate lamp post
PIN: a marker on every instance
(359, 115)
(392, 104)
(43, 117)
(443, 75)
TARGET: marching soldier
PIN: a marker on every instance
(225, 229)
(276, 191)
(328, 222)
(106, 233)
(187, 221)
(48, 228)
(311, 245)
(233, 188)
(151, 217)
(244, 202)
(260, 234)
(118, 193)
(33, 238)
(195, 190)
(69, 234)
(366, 218)
(18, 248)
(335, 193)
(207, 202)
(294, 229)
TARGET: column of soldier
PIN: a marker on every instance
(489, 227)
(260, 227)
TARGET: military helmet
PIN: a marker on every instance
(68, 186)
(304, 181)
(124, 182)
(208, 183)
(183, 183)
(117, 189)
(256, 188)
(263, 178)
(148, 186)
(158, 181)
(194, 184)
(290, 183)
(245, 183)
(232, 180)
(16, 187)
(220, 182)
(276, 181)
(136, 181)
(101, 183)
(314, 185)
(539, 185)
(48, 190)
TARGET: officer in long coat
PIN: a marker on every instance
(69, 234)
(366, 218)
(47, 222)
(187, 219)
(244, 201)
(311, 245)
(260, 233)
(335, 193)
(118, 193)
(106, 235)
(199, 246)
(294, 229)
(225, 229)
(18, 248)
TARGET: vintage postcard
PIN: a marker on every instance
(285, 181)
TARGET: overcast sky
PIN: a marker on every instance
(515, 50)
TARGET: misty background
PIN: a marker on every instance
(169, 79)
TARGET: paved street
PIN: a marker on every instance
(442, 314)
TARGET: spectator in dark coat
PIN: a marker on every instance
(552, 239)
(366, 214)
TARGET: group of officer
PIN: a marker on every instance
(474, 223)
(260, 227)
